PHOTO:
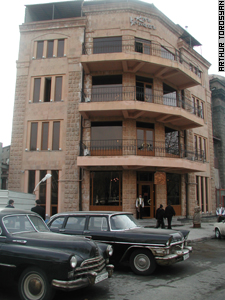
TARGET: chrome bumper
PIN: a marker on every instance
(82, 282)
(175, 257)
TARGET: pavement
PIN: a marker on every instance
(206, 231)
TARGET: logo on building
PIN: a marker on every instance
(141, 21)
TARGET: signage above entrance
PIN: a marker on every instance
(160, 178)
(142, 21)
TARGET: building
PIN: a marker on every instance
(113, 101)
(4, 166)
(217, 86)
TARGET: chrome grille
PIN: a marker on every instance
(95, 264)
(177, 247)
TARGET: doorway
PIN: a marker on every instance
(147, 192)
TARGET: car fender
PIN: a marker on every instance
(129, 250)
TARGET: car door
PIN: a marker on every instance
(98, 229)
(74, 225)
(57, 224)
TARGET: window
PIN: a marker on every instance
(60, 52)
(202, 193)
(31, 181)
(109, 192)
(200, 144)
(142, 46)
(47, 94)
(44, 142)
(75, 223)
(36, 93)
(106, 138)
(46, 135)
(58, 88)
(106, 88)
(33, 136)
(169, 95)
(107, 45)
(54, 191)
(98, 224)
(172, 141)
(51, 87)
(144, 89)
(40, 47)
(50, 49)
(173, 188)
(165, 53)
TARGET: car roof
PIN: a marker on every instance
(109, 213)
(13, 211)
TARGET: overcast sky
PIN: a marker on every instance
(201, 17)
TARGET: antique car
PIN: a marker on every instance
(141, 248)
(219, 228)
(40, 261)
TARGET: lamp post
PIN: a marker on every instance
(47, 176)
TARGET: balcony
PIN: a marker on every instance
(154, 60)
(135, 102)
(136, 154)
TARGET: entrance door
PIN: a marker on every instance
(146, 190)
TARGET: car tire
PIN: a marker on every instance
(142, 262)
(33, 285)
(217, 233)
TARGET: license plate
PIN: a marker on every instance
(101, 277)
(186, 256)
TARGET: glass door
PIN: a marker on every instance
(145, 141)
(146, 190)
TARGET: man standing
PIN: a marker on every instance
(10, 204)
(159, 217)
(169, 213)
(139, 206)
(220, 211)
(39, 209)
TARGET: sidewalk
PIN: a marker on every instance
(196, 234)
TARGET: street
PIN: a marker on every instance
(200, 277)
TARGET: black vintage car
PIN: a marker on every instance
(40, 261)
(142, 248)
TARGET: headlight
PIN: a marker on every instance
(73, 262)
(109, 250)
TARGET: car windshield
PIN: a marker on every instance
(123, 222)
(24, 223)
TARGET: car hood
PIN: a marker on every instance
(154, 235)
(78, 245)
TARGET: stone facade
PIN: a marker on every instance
(149, 51)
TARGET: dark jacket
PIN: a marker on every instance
(169, 211)
(160, 213)
(39, 210)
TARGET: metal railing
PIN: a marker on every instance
(133, 93)
(130, 45)
(122, 147)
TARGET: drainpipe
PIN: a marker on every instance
(187, 195)
(81, 139)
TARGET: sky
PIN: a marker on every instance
(201, 17)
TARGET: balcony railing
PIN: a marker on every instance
(133, 93)
(122, 147)
(130, 45)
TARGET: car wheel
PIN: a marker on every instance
(33, 285)
(142, 262)
(217, 233)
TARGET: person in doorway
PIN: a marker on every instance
(220, 212)
(39, 209)
(169, 213)
(159, 217)
(139, 206)
(10, 204)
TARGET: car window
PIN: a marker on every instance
(75, 223)
(39, 224)
(0, 230)
(19, 223)
(98, 223)
(57, 223)
(123, 222)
